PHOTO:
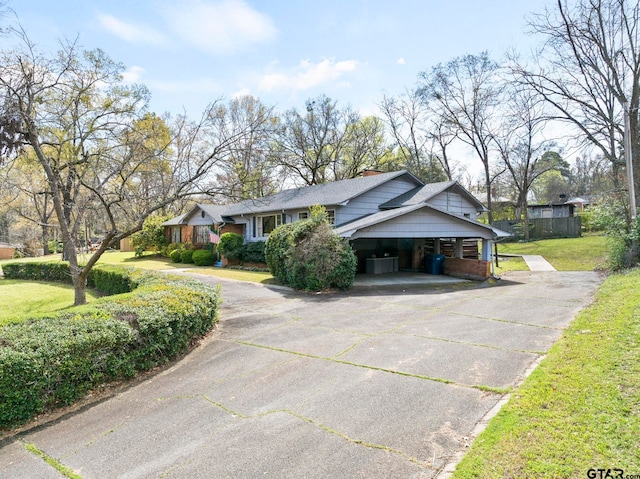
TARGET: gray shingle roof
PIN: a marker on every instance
(420, 194)
(424, 193)
(333, 193)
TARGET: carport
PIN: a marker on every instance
(399, 239)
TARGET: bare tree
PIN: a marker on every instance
(310, 144)
(364, 148)
(415, 133)
(466, 94)
(588, 69)
(75, 117)
(248, 172)
(521, 145)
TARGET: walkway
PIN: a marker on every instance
(537, 263)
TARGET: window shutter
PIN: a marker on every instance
(255, 224)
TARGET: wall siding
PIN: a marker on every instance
(370, 201)
(455, 203)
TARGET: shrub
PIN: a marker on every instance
(309, 255)
(151, 236)
(52, 361)
(253, 252)
(203, 257)
(186, 256)
(168, 249)
(176, 256)
(230, 245)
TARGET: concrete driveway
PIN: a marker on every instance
(378, 382)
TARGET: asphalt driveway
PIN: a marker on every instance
(378, 382)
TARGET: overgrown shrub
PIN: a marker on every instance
(151, 237)
(186, 256)
(253, 252)
(613, 217)
(203, 257)
(176, 256)
(230, 246)
(52, 361)
(309, 255)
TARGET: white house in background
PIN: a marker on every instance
(384, 215)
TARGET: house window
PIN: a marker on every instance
(176, 234)
(266, 224)
(201, 234)
(303, 215)
(331, 217)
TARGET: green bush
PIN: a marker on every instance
(203, 257)
(151, 237)
(186, 256)
(230, 245)
(52, 361)
(168, 249)
(309, 255)
(176, 256)
(253, 252)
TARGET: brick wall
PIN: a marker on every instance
(231, 228)
(6, 252)
(467, 268)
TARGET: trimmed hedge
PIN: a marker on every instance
(253, 252)
(186, 256)
(53, 360)
(176, 256)
(203, 257)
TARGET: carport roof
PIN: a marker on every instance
(349, 229)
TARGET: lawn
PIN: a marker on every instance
(19, 299)
(565, 254)
(580, 409)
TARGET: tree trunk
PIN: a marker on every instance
(80, 287)
(45, 241)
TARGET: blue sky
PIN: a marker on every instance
(191, 52)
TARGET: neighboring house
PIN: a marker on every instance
(551, 210)
(387, 215)
(580, 202)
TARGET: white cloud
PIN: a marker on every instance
(242, 92)
(130, 32)
(308, 75)
(132, 74)
(400, 61)
(219, 27)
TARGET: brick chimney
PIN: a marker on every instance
(370, 172)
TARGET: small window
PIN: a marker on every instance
(303, 215)
(266, 224)
(331, 216)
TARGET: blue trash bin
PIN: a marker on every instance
(434, 263)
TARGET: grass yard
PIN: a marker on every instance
(565, 254)
(510, 264)
(19, 299)
(580, 409)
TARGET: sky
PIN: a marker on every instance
(192, 52)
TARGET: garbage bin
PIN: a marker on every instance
(434, 263)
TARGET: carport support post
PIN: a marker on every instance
(459, 253)
(486, 249)
(436, 245)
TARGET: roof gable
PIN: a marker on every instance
(422, 194)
